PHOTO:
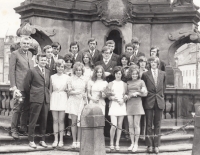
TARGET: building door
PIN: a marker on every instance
(116, 37)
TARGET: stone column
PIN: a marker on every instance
(196, 140)
(92, 126)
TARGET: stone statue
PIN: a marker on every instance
(181, 2)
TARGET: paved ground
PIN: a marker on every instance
(54, 152)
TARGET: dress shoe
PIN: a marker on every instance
(55, 144)
(15, 135)
(156, 150)
(135, 148)
(78, 145)
(32, 144)
(43, 144)
(150, 149)
(60, 144)
(131, 147)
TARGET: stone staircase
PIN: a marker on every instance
(179, 141)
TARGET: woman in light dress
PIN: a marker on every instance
(117, 109)
(58, 100)
(96, 88)
(77, 99)
(136, 89)
(89, 66)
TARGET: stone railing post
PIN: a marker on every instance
(92, 126)
(196, 140)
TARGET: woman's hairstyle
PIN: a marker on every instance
(76, 66)
(155, 47)
(117, 69)
(123, 56)
(91, 64)
(110, 42)
(56, 44)
(74, 44)
(59, 62)
(69, 57)
(142, 59)
(94, 75)
(131, 70)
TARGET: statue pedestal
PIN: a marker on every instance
(174, 78)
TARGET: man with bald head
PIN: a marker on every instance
(20, 62)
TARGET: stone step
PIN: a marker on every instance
(165, 140)
(67, 148)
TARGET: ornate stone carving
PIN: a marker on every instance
(27, 29)
(113, 12)
(184, 2)
(193, 35)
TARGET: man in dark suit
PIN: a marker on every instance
(95, 53)
(75, 50)
(154, 103)
(20, 63)
(50, 60)
(111, 45)
(108, 64)
(37, 83)
(129, 51)
(136, 43)
(56, 49)
(154, 52)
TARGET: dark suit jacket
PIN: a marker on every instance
(162, 65)
(18, 67)
(79, 57)
(154, 93)
(52, 67)
(108, 68)
(97, 55)
(140, 54)
(37, 85)
(135, 58)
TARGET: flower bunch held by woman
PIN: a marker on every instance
(97, 87)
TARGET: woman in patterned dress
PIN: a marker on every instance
(96, 88)
(117, 109)
(58, 86)
(77, 100)
(136, 88)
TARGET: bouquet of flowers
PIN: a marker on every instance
(17, 95)
(108, 92)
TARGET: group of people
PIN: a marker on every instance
(123, 86)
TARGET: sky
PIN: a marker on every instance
(10, 21)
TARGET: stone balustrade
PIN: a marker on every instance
(179, 103)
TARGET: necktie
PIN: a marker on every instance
(43, 72)
(92, 53)
(155, 77)
(48, 61)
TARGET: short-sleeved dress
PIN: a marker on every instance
(75, 103)
(87, 73)
(115, 108)
(59, 96)
(96, 88)
(134, 104)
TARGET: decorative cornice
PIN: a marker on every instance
(95, 11)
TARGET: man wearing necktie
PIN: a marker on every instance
(56, 49)
(154, 103)
(19, 64)
(95, 53)
(37, 82)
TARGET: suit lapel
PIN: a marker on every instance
(23, 55)
(39, 71)
(150, 76)
(29, 57)
(95, 54)
(159, 77)
(108, 64)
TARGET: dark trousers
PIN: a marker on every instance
(20, 110)
(153, 116)
(38, 110)
(107, 125)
